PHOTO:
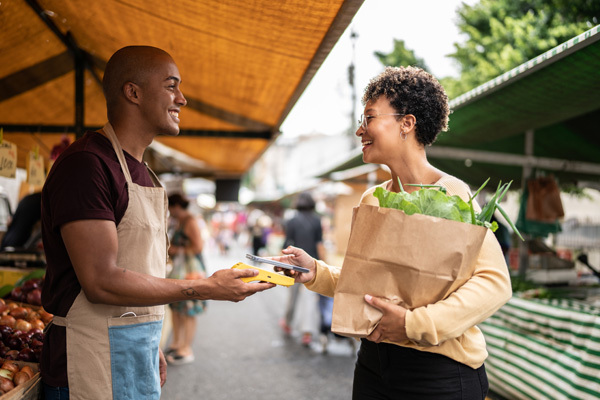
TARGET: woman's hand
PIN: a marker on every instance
(296, 256)
(391, 327)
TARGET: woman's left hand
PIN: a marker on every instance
(392, 326)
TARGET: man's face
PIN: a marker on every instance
(162, 98)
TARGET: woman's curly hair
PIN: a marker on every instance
(411, 90)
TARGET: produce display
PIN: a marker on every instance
(22, 331)
(13, 375)
(22, 321)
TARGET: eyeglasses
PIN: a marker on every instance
(362, 122)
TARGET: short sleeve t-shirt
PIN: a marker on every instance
(85, 182)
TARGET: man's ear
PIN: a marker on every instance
(132, 92)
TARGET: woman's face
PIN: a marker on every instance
(175, 211)
(382, 136)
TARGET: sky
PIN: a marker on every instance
(427, 27)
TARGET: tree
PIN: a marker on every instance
(400, 55)
(502, 34)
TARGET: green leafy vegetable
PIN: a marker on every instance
(432, 200)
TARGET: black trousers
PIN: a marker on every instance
(386, 371)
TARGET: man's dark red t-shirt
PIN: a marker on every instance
(85, 182)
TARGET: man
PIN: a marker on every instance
(104, 234)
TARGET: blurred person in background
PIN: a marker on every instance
(306, 309)
(188, 263)
(24, 229)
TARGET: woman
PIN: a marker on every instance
(437, 351)
(186, 253)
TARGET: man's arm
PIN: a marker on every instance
(93, 247)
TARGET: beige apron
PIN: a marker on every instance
(112, 351)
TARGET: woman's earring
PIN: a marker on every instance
(403, 135)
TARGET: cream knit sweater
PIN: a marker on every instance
(447, 327)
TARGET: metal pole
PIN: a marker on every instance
(352, 82)
(523, 247)
(79, 93)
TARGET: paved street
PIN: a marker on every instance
(242, 354)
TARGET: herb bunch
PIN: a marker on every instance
(432, 200)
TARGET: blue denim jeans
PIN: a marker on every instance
(55, 393)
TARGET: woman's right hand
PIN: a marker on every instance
(296, 256)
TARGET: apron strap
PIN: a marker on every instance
(153, 176)
(112, 136)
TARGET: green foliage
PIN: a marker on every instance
(501, 35)
(400, 55)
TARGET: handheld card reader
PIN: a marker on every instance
(265, 276)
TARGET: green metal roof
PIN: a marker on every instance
(543, 116)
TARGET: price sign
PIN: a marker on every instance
(35, 169)
(8, 159)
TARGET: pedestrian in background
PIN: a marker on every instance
(186, 254)
(306, 309)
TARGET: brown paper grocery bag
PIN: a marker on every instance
(411, 260)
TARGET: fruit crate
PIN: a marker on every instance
(30, 390)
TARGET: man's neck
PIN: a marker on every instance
(133, 140)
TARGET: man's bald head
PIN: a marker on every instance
(130, 64)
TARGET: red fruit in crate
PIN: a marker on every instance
(37, 336)
(15, 342)
(26, 354)
(17, 294)
(35, 297)
(31, 284)
(38, 354)
(6, 331)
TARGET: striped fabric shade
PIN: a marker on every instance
(544, 349)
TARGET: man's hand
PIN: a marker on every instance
(296, 256)
(225, 284)
(392, 326)
(162, 367)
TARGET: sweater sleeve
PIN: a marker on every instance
(487, 290)
(325, 280)
(327, 276)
